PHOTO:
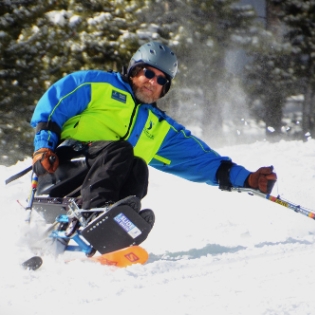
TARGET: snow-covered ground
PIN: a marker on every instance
(211, 252)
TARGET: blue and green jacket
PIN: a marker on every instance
(96, 105)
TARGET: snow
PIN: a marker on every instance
(211, 252)
(58, 17)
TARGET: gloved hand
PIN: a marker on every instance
(263, 179)
(45, 160)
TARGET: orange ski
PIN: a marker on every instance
(123, 257)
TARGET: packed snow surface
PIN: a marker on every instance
(211, 252)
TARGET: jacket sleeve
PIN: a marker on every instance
(64, 99)
(186, 156)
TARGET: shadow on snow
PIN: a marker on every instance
(215, 249)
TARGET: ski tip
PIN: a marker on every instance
(123, 257)
(33, 263)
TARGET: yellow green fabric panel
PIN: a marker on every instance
(107, 116)
(162, 159)
(151, 137)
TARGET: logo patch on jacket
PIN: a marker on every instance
(119, 96)
(148, 130)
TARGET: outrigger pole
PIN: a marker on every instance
(29, 206)
(18, 175)
(279, 201)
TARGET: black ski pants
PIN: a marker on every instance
(114, 173)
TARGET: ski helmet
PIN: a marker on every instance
(156, 55)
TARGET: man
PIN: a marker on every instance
(115, 116)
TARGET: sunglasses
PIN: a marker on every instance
(149, 74)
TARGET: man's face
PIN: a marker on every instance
(147, 90)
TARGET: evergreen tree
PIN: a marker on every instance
(299, 20)
(284, 66)
(43, 40)
(201, 33)
(270, 77)
(20, 82)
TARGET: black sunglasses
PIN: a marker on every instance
(149, 74)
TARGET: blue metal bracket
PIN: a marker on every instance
(82, 245)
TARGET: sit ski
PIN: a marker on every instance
(109, 235)
(114, 231)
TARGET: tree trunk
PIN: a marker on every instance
(273, 117)
(308, 113)
(273, 23)
(212, 120)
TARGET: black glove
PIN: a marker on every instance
(263, 179)
(45, 160)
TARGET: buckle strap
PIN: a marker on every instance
(49, 125)
(223, 175)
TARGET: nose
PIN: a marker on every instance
(153, 80)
